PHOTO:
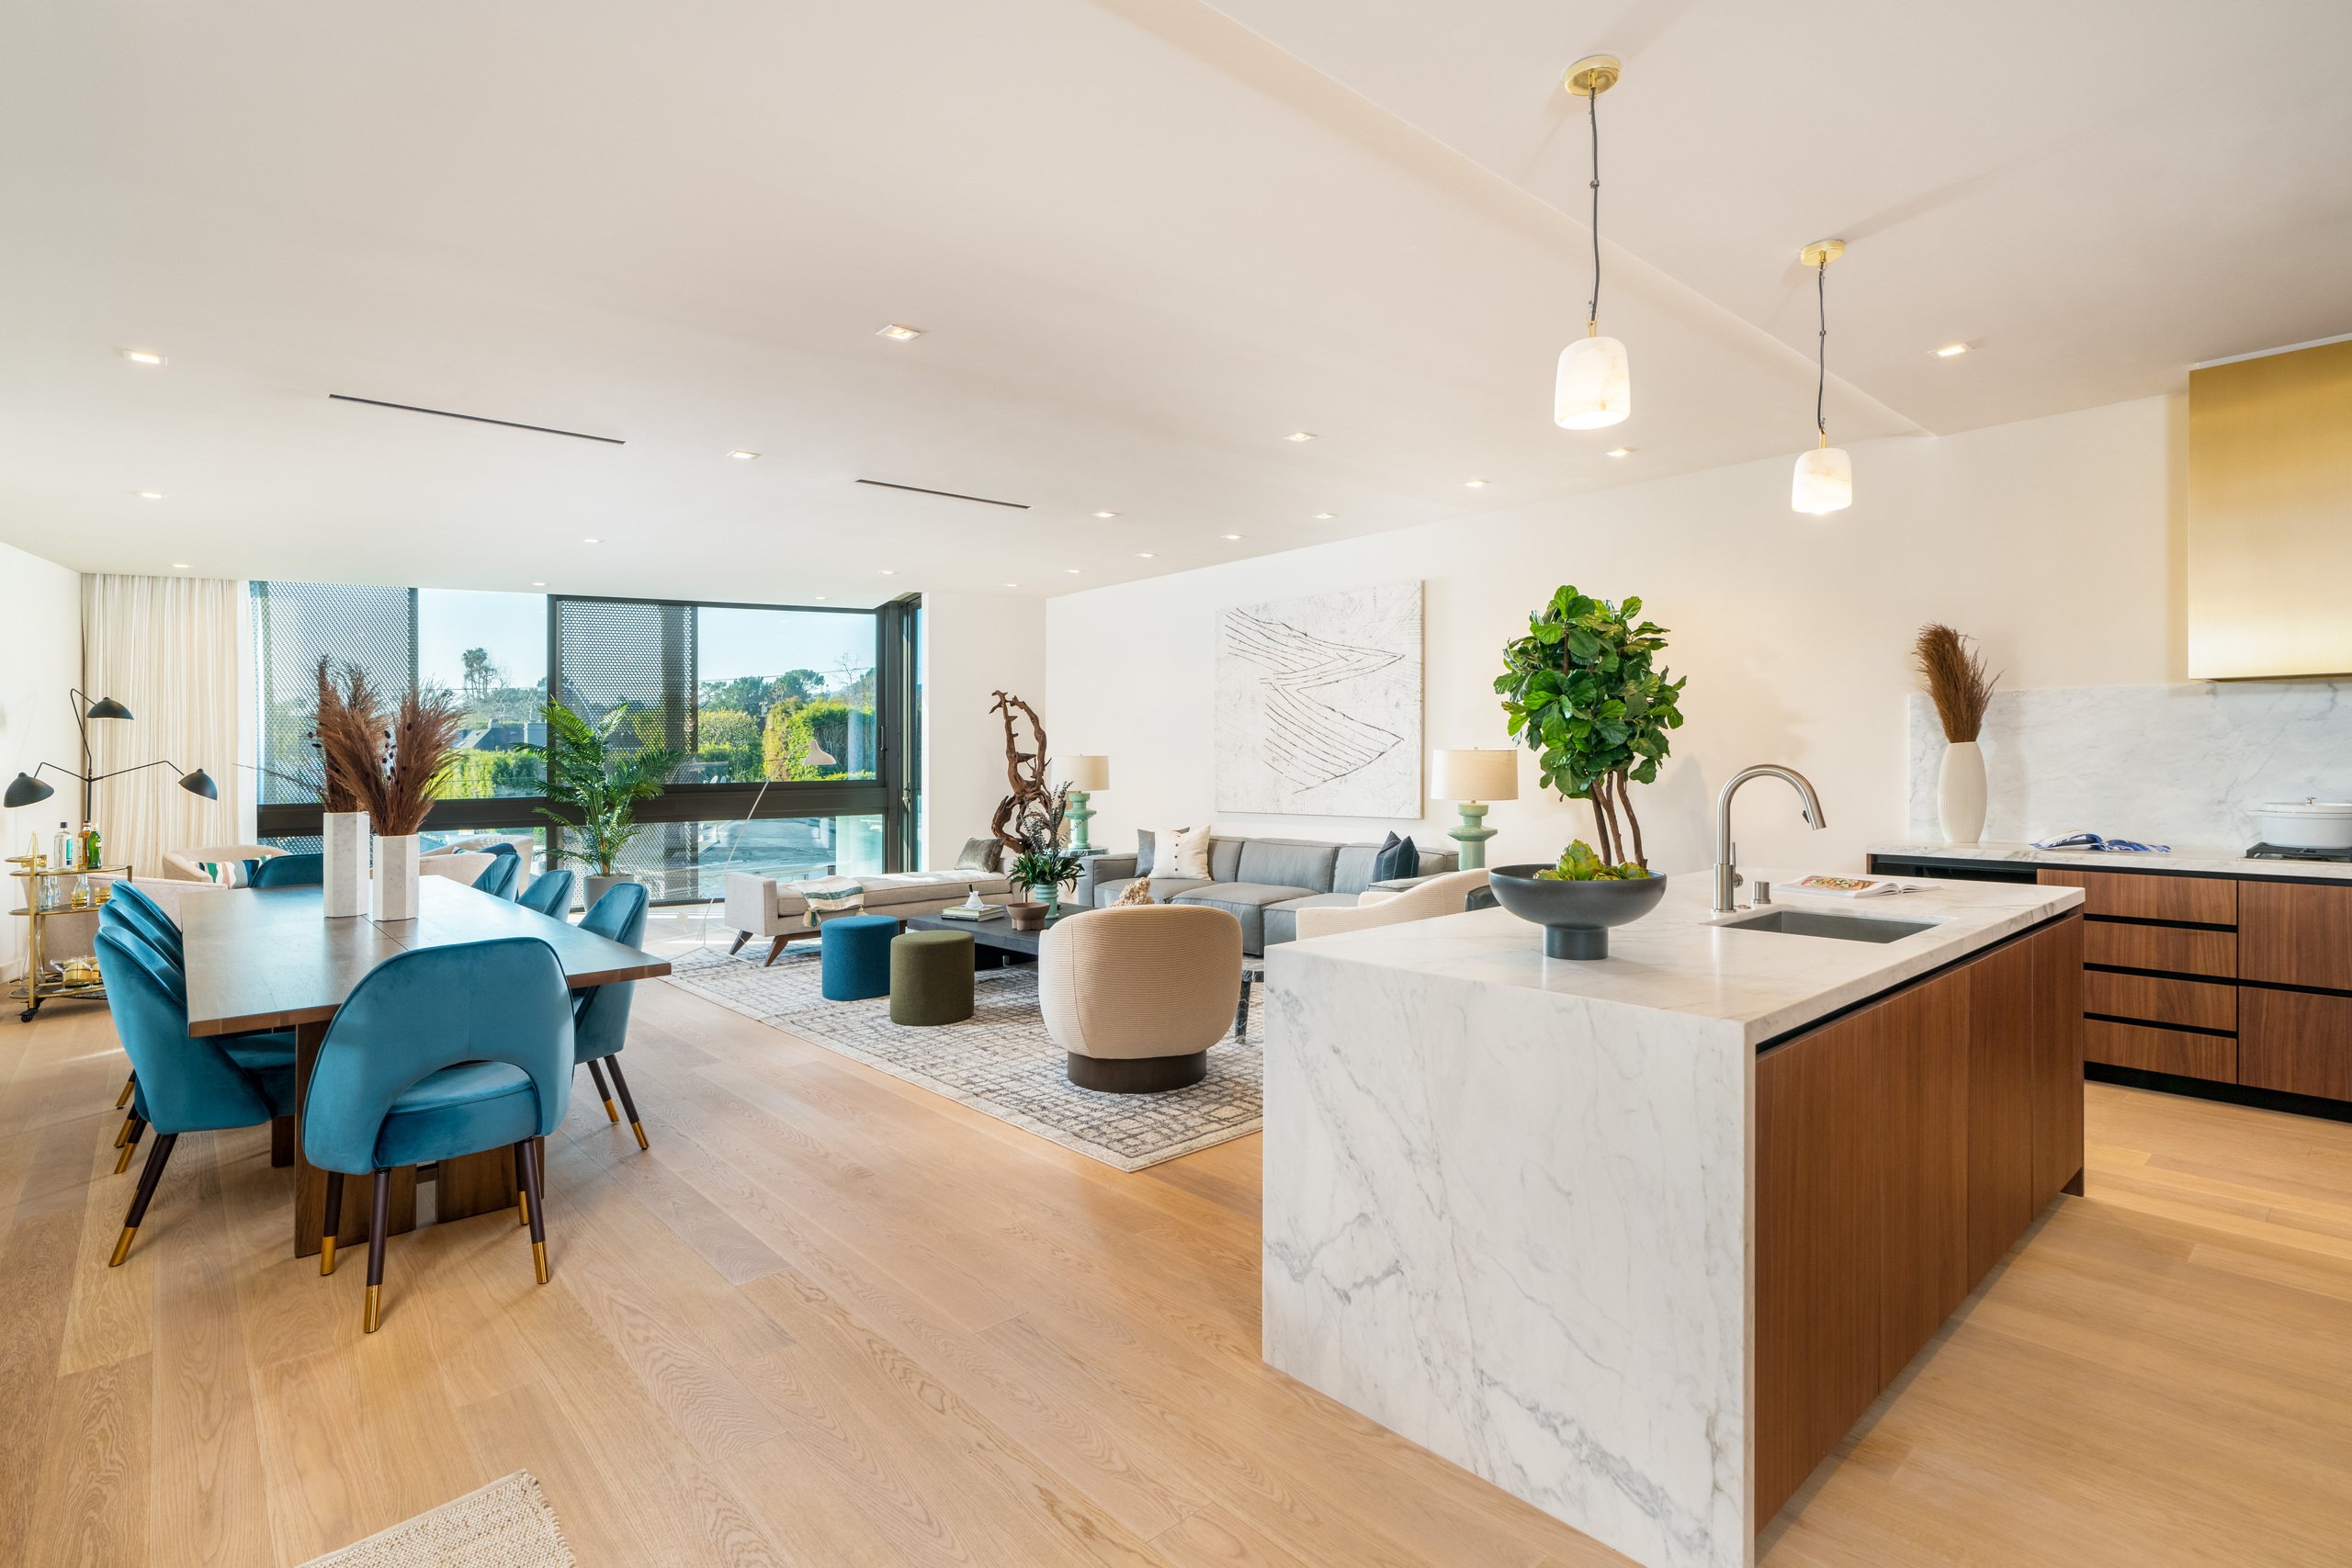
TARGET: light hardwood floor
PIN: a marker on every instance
(831, 1320)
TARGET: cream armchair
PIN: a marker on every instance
(1138, 993)
(187, 865)
(1422, 902)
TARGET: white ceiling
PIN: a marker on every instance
(1147, 239)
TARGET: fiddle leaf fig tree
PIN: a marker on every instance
(1584, 692)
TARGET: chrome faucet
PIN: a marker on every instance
(1727, 852)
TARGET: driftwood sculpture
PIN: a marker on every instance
(1030, 817)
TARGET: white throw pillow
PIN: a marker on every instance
(1182, 852)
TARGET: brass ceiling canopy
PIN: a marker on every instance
(1594, 74)
(1821, 252)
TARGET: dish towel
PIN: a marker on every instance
(2092, 843)
(830, 896)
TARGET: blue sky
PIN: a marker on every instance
(513, 626)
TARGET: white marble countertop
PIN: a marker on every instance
(2224, 863)
(1680, 959)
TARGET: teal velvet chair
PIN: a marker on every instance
(498, 878)
(600, 1013)
(290, 870)
(129, 909)
(185, 1084)
(438, 1053)
(550, 893)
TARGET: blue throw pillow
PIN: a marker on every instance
(1397, 858)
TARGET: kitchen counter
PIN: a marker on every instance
(1511, 1201)
(2182, 861)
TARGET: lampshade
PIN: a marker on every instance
(1086, 773)
(816, 756)
(25, 789)
(1473, 775)
(107, 708)
(1823, 482)
(201, 782)
(1595, 386)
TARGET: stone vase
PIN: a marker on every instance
(1959, 793)
(343, 883)
(395, 894)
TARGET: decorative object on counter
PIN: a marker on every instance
(2310, 823)
(1045, 872)
(1084, 777)
(1318, 704)
(26, 789)
(595, 787)
(1824, 481)
(1595, 384)
(2094, 844)
(1472, 779)
(1954, 673)
(1582, 692)
(1030, 817)
(1577, 900)
(396, 786)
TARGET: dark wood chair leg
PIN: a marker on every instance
(527, 1161)
(740, 938)
(379, 1223)
(334, 1221)
(596, 1071)
(131, 1131)
(157, 1157)
(131, 1083)
(776, 950)
(627, 1104)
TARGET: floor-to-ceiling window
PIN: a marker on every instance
(793, 727)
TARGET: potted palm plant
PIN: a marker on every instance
(595, 786)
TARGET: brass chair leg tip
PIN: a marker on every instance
(638, 1128)
(122, 1134)
(326, 1255)
(611, 1112)
(539, 1261)
(122, 1246)
(124, 1163)
(123, 1098)
(375, 1312)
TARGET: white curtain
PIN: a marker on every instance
(166, 647)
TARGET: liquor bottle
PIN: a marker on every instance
(63, 851)
(92, 854)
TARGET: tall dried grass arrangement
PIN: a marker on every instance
(1956, 680)
(385, 758)
(348, 728)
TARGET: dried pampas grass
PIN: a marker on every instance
(384, 758)
(1956, 680)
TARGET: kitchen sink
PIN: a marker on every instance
(1838, 928)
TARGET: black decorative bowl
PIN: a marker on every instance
(1576, 916)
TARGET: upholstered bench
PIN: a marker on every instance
(931, 978)
(853, 957)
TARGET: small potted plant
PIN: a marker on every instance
(1045, 872)
(1577, 900)
(597, 785)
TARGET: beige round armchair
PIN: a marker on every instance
(1440, 895)
(1138, 994)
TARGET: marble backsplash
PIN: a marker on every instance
(2181, 765)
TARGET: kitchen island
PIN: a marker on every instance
(1639, 1239)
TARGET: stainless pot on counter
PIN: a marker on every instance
(2307, 824)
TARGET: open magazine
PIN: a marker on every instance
(1849, 886)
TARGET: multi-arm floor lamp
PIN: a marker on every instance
(26, 789)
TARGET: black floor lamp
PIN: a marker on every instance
(26, 789)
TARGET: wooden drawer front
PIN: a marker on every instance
(2176, 950)
(2295, 933)
(2297, 1042)
(2142, 896)
(2197, 1004)
(2211, 1057)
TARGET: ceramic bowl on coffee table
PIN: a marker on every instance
(1576, 916)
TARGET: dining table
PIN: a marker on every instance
(270, 959)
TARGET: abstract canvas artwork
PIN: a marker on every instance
(1318, 709)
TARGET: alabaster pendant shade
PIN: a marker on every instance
(1473, 775)
(1823, 482)
(1595, 386)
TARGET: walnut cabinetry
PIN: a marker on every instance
(1901, 1151)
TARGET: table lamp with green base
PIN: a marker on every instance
(1472, 779)
(1084, 775)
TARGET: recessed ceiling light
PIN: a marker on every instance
(889, 571)
(743, 457)
(591, 541)
(181, 566)
(537, 584)
(147, 494)
(1621, 451)
(1300, 435)
(1325, 516)
(1952, 351)
(1474, 484)
(818, 597)
(1012, 585)
(1142, 555)
(1071, 569)
(897, 333)
(1106, 515)
(1233, 535)
(143, 357)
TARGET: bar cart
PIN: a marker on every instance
(73, 891)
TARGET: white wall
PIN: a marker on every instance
(2057, 542)
(44, 658)
(974, 646)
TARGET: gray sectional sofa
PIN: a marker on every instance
(1263, 883)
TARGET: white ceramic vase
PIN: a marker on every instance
(343, 883)
(395, 885)
(1959, 793)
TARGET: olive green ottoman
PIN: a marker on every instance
(931, 978)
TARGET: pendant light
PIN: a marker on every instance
(1825, 476)
(1595, 386)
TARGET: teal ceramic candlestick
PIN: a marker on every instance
(1472, 834)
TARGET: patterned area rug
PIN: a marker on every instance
(998, 1062)
(505, 1525)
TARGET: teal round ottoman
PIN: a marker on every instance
(931, 978)
(853, 957)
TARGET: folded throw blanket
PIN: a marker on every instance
(2092, 843)
(830, 896)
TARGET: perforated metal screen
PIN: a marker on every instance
(296, 624)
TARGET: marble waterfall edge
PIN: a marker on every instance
(1569, 1323)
